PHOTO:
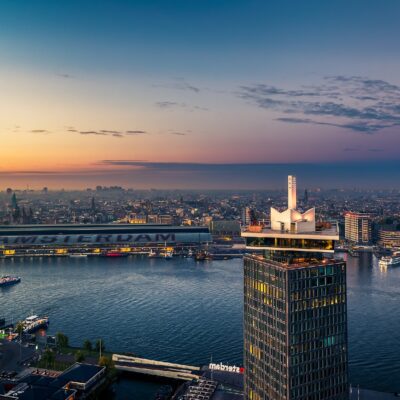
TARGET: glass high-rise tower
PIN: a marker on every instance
(295, 313)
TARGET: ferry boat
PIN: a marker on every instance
(165, 253)
(9, 280)
(190, 253)
(34, 323)
(152, 254)
(202, 256)
(114, 253)
(390, 261)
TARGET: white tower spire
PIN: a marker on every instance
(292, 192)
(292, 220)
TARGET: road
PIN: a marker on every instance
(10, 355)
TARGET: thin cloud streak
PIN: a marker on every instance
(177, 133)
(106, 131)
(109, 133)
(137, 132)
(65, 76)
(168, 104)
(180, 84)
(174, 104)
(93, 133)
(44, 131)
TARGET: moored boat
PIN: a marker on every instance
(34, 323)
(167, 254)
(390, 261)
(9, 280)
(152, 254)
(202, 256)
(114, 253)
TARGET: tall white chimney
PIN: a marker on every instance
(292, 192)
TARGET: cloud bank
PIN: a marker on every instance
(186, 175)
(355, 103)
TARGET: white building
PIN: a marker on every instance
(292, 230)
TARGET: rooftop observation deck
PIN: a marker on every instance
(330, 233)
(297, 265)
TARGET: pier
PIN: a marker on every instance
(155, 368)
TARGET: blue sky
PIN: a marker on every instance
(197, 81)
(203, 38)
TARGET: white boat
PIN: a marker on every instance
(34, 323)
(77, 255)
(390, 261)
(152, 254)
(167, 255)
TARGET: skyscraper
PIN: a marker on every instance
(295, 315)
(305, 199)
(246, 216)
(358, 228)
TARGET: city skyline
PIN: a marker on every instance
(145, 94)
(155, 242)
(201, 176)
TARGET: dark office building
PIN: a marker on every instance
(295, 317)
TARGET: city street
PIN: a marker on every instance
(11, 353)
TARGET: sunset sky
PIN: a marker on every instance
(198, 93)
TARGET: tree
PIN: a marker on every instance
(87, 345)
(79, 356)
(105, 361)
(99, 346)
(19, 329)
(48, 357)
(61, 340)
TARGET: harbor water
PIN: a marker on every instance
(187, 312)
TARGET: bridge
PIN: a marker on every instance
(156, 368)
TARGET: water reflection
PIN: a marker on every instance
(183, 311)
